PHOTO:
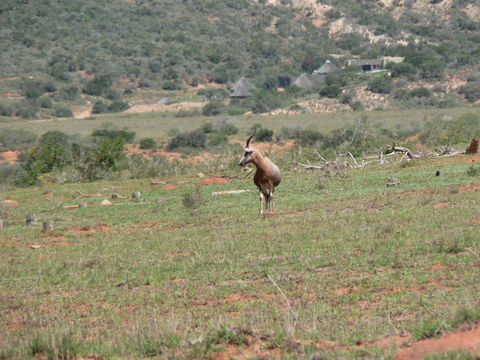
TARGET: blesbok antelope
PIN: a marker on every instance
(267, 176)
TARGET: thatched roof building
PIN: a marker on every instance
(242, 88)
(327, 68)
(303, 81)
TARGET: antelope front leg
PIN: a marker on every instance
(261, 203)
(272, 203)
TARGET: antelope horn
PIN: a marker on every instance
(248, 140)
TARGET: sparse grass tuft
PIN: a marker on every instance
(452, 355)
(466, 314)
(428, 328)
(473, 171)
(194, 199)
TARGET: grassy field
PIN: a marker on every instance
(157, 125)
(347, 268)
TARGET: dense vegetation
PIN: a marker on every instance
(58, 51)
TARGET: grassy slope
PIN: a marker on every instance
(156, 124)
(353, 257)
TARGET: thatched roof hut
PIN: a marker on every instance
(242, 88)
(303, 81)
(327, 68)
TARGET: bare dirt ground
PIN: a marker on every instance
(9, 156)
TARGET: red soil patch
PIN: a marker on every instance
(169, 187)
(473, 160)
(239, 298)
(10, 156)
(438, 267)
(475, 220)
(214, 181)
(11, 203)
(466, 340)
(388, 342)
(85, 75)
(179, 253)
(468, 188)
(47, 195)
(345, 290)
(253, 350)
(441, 205)
(86, 229)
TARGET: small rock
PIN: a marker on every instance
(200, 175)
(106, 202)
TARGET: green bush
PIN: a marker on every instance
(69, 93)
(26, 110)
(471, 91)
(217, 139)
(330, 91)
(62, 111)
(118, 106)
(261, 133)
(124, 134)
(147, 143)
(226, 127)
(16, 139)
(6, 110)
(380, 84)
(99, 107)
(213, 108)
(32, 88)
(420, 92)
(44, 102)
(188, 113)
(194, 139)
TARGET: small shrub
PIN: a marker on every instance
(380, 84)
(62, 111)
(147, 143)
(6, 110)
(420, 92)
(452, 354)
(357, 106)
(261, 133)
(118, 106)
(466, 314)
(233, 110)
(125, 134)
(27, 111)
(194, 199)
(473, 171)
(16, 139)
(226, 127)
(213, 108)
(188, 113)
(99, 107)
(427, 329)
(44, 102)
(195, 139)
(330, 91)
(218, 139)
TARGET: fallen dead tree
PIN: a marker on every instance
(381, 159)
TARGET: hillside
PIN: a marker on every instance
(63, 56)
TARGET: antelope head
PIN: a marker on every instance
(249, 155)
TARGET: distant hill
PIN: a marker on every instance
(56, 51)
